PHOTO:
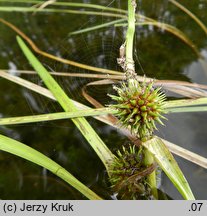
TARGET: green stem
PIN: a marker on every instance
(151, 178)
(169, 28)
(130, 69)
(131, 74)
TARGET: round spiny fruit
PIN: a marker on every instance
(139, 106)
(128, 175)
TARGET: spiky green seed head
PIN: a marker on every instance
(128, 174)
(139, 107)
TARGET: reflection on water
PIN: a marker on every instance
(197, 70)
(157, 53)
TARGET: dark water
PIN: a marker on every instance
(158, 54)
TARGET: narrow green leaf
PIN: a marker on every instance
(114, 12)
(54, 10)
(185, 102)
(193, 16)
(186, 154)
(69, 4)
(169, 28)
(81, 31)
(168, 164)
(55, 116)
(85, 128)
(30, 154)
(187, 109)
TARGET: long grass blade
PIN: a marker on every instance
(171, 29)
(70, 4)
(65, 61)
(96, 27)
(188, 109)
(55, 116)
(85, 128)
(164, 83)
(186, 154)
(185, 103)
(51, 10)
(30, 154)
(189, 13)
(186, 91)
(68, 74)
(168, 164)
(120, 12)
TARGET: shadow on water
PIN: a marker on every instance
(158, 54)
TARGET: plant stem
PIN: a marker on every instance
(131, 75)
(169, 28)
(151, 178)
(130, 69)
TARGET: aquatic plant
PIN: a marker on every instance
(128, 174)
(139, 105)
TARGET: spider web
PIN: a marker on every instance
(99, 48)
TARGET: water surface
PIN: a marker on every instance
(159, 54)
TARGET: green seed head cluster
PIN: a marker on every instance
(139, 106)
(128, 175)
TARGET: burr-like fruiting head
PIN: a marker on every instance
(139, 106)
(128, 174)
